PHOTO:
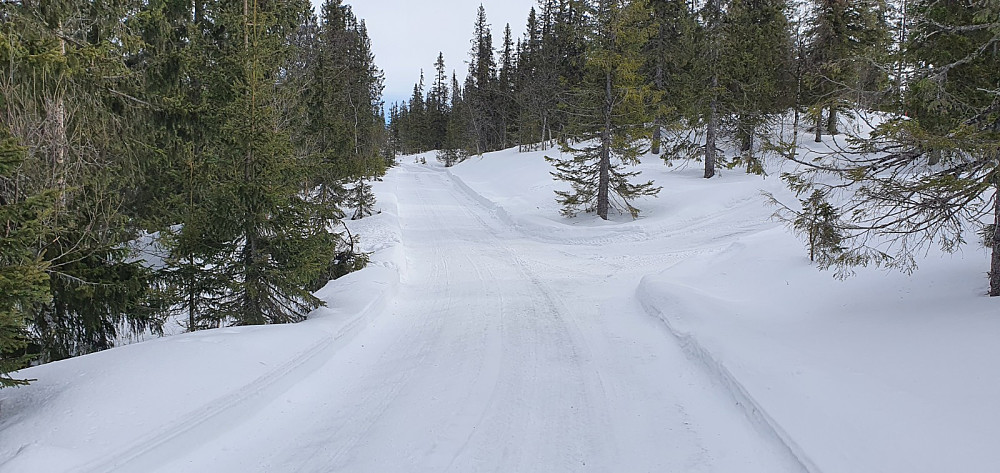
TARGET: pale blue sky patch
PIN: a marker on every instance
(408, 34)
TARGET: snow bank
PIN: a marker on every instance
(882, 372)
(140, 404)
(878, 373)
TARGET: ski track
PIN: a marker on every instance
(496, 355)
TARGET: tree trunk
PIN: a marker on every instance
(819, 126)
(657, 131)
(545, 126)
(198, 13)
(192, 298)
(605, 165)
(746, 141)
(59, 137)
(712, 130)
(657, 137)
(995, 253)
(746, 151)
(246, 24)
(831, 122)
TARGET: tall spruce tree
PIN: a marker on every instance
(844, 40)
(712, 15)
(276, 240)
(612, 107)
(671, 65)
(23, 278)
(506, 105)
(481, 92)
(458, 138)
(536, 85)
(438, 106)
(71, 98)
(756, 70)
(180, 44)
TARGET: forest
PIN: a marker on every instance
(194, 158)
(177, 158)
(717, 81)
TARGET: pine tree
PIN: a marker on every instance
(612, 105)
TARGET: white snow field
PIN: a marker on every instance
(492, 334)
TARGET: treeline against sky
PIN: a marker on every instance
(729, 82)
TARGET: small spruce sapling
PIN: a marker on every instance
(826, 235)
(818, 222)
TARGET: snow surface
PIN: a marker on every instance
(492, 334)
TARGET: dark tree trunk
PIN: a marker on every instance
(657, 131)
(995, 252)
(831, 122)
(712, 130)
(819, 126)
(605, 166)
(657, 137)
(746, 141)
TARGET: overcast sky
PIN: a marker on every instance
(408, 34)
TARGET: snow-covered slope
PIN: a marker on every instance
(490, 333)
(881, 372)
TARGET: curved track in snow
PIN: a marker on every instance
(499, 353)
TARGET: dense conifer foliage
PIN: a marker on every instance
(193, 158)
(188, 157)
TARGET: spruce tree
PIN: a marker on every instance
(73, 100)
(415, 124)
(23, 278)
(844, 38)
(536, 85)
(712, 15)
(927, 174)
(506, 105)
(671, 66)
(481, 92)
(756, 69)
(438, 106)
(276, 241)
(612, 106)
(459, 138)
(180, 46)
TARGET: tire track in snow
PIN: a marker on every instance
(188, 431)
(519, 381)
(717, 369)
(702, 225)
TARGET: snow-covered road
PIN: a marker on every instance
(491, 334)
(490, 359)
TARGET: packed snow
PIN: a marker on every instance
(489, 333)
